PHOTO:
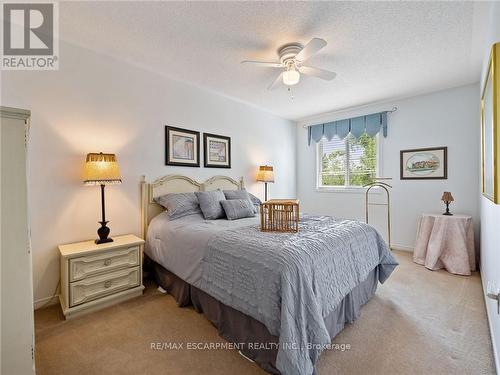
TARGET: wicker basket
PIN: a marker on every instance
(279, 215)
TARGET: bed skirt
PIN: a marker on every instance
(237, 327)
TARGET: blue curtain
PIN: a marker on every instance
(357, 126)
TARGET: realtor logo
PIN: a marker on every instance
(29, 36)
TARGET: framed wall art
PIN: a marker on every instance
(424, 164)
(182, 147)
(217, 151)
(490, 135)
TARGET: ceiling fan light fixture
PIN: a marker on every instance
(291, 76)
(292, 57)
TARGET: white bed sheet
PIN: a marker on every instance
(179, 245)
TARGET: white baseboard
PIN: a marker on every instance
(395, 246)
(496, 355)
(47, 301)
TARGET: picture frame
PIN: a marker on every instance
(490, 135)
(217, 151)
(182, 147)
(424, 163)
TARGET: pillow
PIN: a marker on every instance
(210, 203)
(238, 208)
(179, 204)
(256, 201)
(239, 194)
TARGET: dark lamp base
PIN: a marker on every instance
(103, 233)
(447, 213)
(104, 240)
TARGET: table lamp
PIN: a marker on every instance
(265, 175)
(102, 169)
(447, 198)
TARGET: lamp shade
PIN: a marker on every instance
(447, 197)
(265, 174)
(101, 169)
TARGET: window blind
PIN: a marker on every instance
(347, 162)
(362, 160)
(333, 162)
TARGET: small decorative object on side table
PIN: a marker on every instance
(447, 198)
(265, 175)
(94, 276)
(446, 242)
(102, 169)
(279, 215)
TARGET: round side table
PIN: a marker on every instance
(446, 242)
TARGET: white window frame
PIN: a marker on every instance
(347, 189)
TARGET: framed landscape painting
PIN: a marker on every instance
(424, 164)
(182, 147)
(217, 151)
(490, 137)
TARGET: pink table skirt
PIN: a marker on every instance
(446, 242)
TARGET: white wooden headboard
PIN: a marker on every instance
(177, 184)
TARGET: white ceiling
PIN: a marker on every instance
(380, 50)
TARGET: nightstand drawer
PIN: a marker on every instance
(103, 285)
(83, 267)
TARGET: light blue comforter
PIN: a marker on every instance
(290, 282)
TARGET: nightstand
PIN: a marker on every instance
(96, 276)
(446, 242)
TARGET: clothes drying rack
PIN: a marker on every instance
(379, 182)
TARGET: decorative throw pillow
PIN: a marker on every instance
(179, 204)
(210, 203)
(238, 208)
(256, 201)
(240, 194)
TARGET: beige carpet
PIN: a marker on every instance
(419, 322)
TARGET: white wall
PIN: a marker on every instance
(445, 118)
(490, 215)
(95, 103)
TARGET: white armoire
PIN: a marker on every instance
(16, 309)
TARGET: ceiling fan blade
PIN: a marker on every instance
(264, 64)
(310, 49)
(316, 72)
(276, 82)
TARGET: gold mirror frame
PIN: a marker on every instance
(493, 73)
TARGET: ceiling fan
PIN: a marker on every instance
(293, 57)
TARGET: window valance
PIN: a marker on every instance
(369, 124)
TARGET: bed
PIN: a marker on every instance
(280, 298)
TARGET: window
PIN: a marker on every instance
(348, 162)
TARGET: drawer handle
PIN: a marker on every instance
(107, 284)
(107, 262)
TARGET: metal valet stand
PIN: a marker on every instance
(379, 182)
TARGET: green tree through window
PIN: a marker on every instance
(348, 162)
